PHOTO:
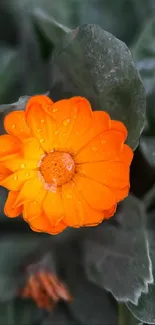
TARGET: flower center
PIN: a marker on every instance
(57, 168)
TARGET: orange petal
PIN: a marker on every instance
(83, 129)
(8, 145)
(119, 126)
(102, 121)
(30, 190)
(113, 174)
(15, 124)
(8, 207)
(42, 125)
(32, 150)
(109, 213)
(42, 100)
(33, 209)
(15, 162)
(126, 155)
(106, 146)
(98, 196)
(15, 181)
(42, 224)
(78, 213)
(4, 172)
(53, 208)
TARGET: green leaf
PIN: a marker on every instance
(147, 147)
(16, 251)
(98, 66)
(145, 310)
(126, 317)
(52, 30)
(91, 304)
(9, 70)
(144, 55)
(116, 255)
(18, 311)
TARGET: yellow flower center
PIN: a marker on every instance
(57, 168)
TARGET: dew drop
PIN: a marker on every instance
(42, 140)
(22, 165)
(68, 196)
(42, 120)
(35, 202)
(94, 148)
(27, 174)
(103, 141)
(54, 110)
(15, 178)
(38, 130)
(13, 126)
(66, 122)
(21, 130)
(56, 132)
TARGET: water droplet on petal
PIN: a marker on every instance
(35, 202)
(54, 110)
(103, 141)
(38, 130)
(15, 178)
(22, 166)
(42, 140)
(56, 132)
(68, 196)
(94, 148)
(13, 126)
(27, 174)
(42, 120)
(21, 130)
(66, 122)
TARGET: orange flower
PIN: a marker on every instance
(63, 164)
(45, 289)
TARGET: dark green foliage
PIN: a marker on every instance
(108, 269)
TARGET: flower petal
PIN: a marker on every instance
(32, 150)
(53, 208)
(9, 210)
(4, 172)
(119, 126)
(97, 195)
(29, 190)
(109, 213)
(42, 224)
(42, 125)
(126, 155)
(15, 181)
(8, 145)
(15, 124)
(106, 146)
(42, 100)
(113, 174)
(16, 162)
(33, 209)
(78, 212)
(102, 121)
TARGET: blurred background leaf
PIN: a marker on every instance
(116, 255)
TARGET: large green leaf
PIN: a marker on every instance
(145, 310)
(144, 55)
(91, 304)
(96, 65)
(116, 255)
